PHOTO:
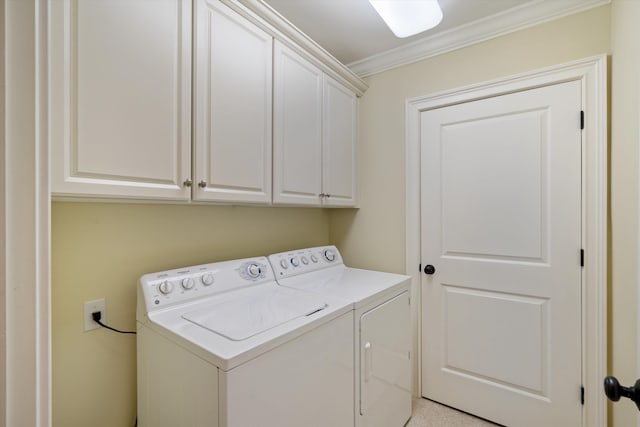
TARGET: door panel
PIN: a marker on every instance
(233, 106)
(467, 352)
(475, 175)
(339, 145)
(501, 223)
(297, 146)
(108, 117)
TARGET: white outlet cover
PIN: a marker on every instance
(91, 307)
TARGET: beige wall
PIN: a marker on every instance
(625, 115)
(373, 237)
(100, 250)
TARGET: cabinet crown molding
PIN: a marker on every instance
(292, 36)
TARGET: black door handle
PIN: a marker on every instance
(614, 390)
(429, 269)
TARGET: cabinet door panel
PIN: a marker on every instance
(120, 98)
(233, 84)
(339, 145)
(297, 129)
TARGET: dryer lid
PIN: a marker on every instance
(241, 318)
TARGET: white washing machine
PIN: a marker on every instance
(382, 325)
(223, 345)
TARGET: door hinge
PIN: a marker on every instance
(582, 395)
(581, 119)
(581, 257)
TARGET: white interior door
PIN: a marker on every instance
(501, 225)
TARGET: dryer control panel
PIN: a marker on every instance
(287, 264)
(169, 287)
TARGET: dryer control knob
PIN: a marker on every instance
(314, 258)
(295, 262)
(329, 255)
(187, 283)
(283, 264)
(207, 279)
(165, 287)
(304, 260)
(253, 270)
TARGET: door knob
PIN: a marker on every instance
(429, 269)
(614, 390)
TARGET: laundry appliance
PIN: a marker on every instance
(223, 345)
(381, 324)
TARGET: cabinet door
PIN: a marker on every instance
(120, 98)
(339, 145)
(233, 113)
(297, 129)
(385, 369)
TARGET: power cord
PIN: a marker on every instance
(96, 316)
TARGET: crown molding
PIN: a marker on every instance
(527, 15)
(284, 31)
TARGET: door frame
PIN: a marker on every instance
(592, 73)
(25, 210)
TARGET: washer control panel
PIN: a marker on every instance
(173, 286)
(287, 264)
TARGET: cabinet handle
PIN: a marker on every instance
(368, 362)
(188, 182)
(321, 195)
(202, 183)
(327, 195)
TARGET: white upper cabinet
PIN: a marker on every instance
(120, 79)
(297, 132)
(233, 111)
(314, 135)
(197, 100)
(339, 145)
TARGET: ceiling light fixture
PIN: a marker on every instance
(408, 17)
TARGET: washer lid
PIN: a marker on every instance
(244, 317)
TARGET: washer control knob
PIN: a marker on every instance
(304, 260)
(253, 270)
(314, 258)
(283, 264)
(165, 287)
(207, 279)
(187, 283)
(295, 261)
(329, 255)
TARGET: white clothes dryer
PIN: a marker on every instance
(223, 345)
(382, 327)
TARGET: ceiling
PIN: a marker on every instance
(351, 30)
(354, 33)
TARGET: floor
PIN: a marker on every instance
(427, 413)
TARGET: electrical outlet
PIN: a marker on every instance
(91, 307)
